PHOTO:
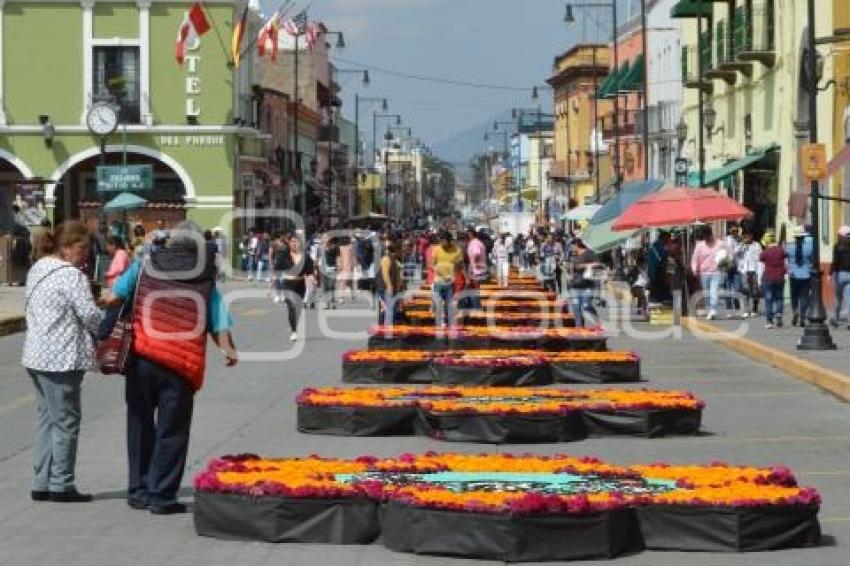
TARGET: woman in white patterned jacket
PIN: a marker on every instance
(62, 319)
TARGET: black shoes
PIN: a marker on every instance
(40, 495)
(168, 509)
(138, 504)
(72, 496)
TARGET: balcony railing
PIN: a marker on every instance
(663, 118)
(690, 67)
(754, 33)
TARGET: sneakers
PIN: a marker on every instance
(293, 337)
(711, 316)
(769, 326)
(746, 315)
(138, 504)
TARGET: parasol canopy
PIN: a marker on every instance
(125, 201)
(580, 213)
(679, 206)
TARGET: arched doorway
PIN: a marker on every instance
(75, 192)
(14, 192)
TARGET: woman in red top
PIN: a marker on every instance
(120, 260)
(774, 260)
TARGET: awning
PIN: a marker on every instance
(616, 80)
(692, 9)
(633, 80)
(714, 176)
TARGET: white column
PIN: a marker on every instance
(88, 34)
(144, 60)
(2, 100)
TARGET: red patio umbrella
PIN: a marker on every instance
(679, 206)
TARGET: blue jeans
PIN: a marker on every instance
(801, 296)
(732, 284)
(159, 416)
(386, 308)
(711, 286)
(842, 292)
(581, 300)
(443, 302)
(262, 266)
(57, 429)
(773, 299)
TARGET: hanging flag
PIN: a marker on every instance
(268, 38)
(194, 25)
(296, 25)
(313, 33)
(236, 40)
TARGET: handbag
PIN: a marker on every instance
(113, 351)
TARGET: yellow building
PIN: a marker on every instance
(578, 74)
(756, 99)
(370, 189)
(840, 183)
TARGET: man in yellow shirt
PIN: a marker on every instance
(448, 260)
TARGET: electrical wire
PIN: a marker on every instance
(441, 80)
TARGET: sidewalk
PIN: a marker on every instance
(777, 347)
(11, 310)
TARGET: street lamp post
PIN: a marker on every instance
(816, 336)
(375, 117)
(569, 18)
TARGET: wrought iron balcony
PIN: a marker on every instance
(754, 33)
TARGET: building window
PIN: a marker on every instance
(116, 77)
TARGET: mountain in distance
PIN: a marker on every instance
(459, 148)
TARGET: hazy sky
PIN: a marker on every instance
(498, 42)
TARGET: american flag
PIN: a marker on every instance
(296, 25)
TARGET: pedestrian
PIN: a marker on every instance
(448, 263)
(117, 266)
(62, 320)
(732, 282)
(221, 253)
(296, 266)
(774, 268)
(247, 247)
(280, 263)
(530, 252)
(840, 271)
(501, 257)
(262, 255)
(709, 254)
(656, 266)
(582, 283)
(167, 364)
(388, 284)
(479, 272)
(329, 254)
(550, 254)
(345, 264)
(509, 244)
(800, 266)
(138, 245)
(429, 260)
(42, 244)
(747, 255)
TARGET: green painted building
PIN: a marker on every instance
(192, 124)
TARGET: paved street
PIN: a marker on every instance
(754, 415)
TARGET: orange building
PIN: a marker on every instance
(581, 159)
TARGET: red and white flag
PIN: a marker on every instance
(313, 33)
(194, 25)
(267, 40)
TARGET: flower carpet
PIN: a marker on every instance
(504, 366)
(497, 414)
(431, 338)
(505, 507)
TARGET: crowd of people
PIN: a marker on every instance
(741, 270)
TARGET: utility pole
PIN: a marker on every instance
(644, 32)
(816, 335)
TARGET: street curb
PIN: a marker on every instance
(12, 325)
(829, 380)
